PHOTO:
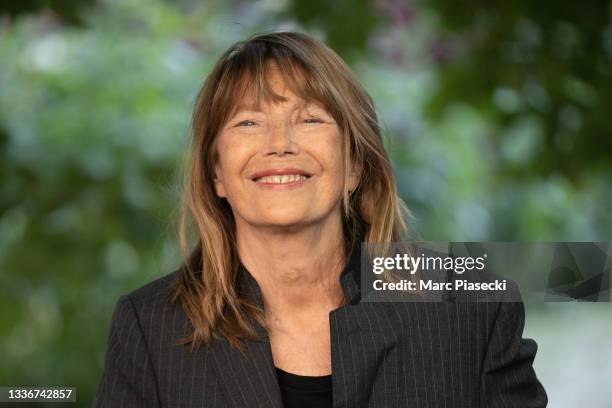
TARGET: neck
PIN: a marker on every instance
(297, 268)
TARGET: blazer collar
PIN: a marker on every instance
(249, 379)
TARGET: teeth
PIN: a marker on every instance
(288, 178)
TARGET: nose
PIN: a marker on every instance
(281, 138)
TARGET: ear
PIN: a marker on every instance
(354, 177)
(218, 180)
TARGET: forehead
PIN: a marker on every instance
(289, 86)
(291, 102)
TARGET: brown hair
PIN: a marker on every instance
(205, 286)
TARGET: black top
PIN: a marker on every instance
(302, 391)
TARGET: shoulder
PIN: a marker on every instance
(154, 289)
(149, 313)
(466, 313)
(148, 300)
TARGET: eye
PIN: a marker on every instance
(313, 120)
(246, 123)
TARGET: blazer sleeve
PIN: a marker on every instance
(127, 379)
(508, 377)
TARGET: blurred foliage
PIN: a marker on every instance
(495, 118)
(338, 21)
(66, 10)
(93, 123)
(547, 68)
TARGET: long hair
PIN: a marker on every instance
(206, 283)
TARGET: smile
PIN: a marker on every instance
(284, 179)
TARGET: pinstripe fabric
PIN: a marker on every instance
(442, 354)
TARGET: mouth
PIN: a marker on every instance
(282, 179)
(281, 176)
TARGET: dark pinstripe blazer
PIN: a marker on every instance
(441, 354)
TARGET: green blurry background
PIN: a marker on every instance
(497, 117)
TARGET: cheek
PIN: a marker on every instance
(331, 157)
(232, 158)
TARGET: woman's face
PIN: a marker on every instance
(281, 165)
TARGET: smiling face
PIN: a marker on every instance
(281, 164)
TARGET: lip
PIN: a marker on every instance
(279, 172)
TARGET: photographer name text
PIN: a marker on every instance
(406, 285)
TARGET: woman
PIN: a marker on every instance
(287, 176)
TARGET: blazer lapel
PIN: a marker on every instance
(351, 380)
(248, 379)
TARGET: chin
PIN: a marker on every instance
(285, 220)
